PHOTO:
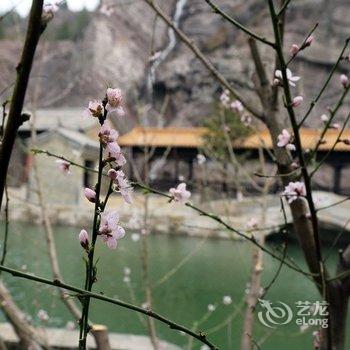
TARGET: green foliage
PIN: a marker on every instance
(10, 25)
(67, 25)
(70, 26)
(224, 126)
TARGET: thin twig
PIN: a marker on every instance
(332, 148)
(4, 246)
(283, 8)
(333, 204)
(285, 248)
(334, 68)
(237, 24)
(303, 43)
(331, 117)
(198, 53)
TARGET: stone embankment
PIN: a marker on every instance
(177, 219)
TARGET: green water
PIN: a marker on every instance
(217, 268)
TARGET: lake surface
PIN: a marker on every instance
(214, 268)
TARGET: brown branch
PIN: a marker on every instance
(27, 334)
(35, 28)
(238, 25)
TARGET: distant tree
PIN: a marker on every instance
(224, 125)
(71, 27)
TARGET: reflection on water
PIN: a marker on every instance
(216, 268)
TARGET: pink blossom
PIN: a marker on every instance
(95, 109)
(43, 315)
(135, 237)
(344, 80)
(70, 326)
(119, 159)
(252, 223)
(51, 7)
(324, 118)
(84, 239)
(211, 307)
(90, 195)
(227, 300)
(180, 194)
(291, 78)
(284, 138)
(290, 147)
(108, 137)
(225, 98)
(63, 166)
(297, 101)
(246, 120)
(294, 50)
(48, 12)
(294, 165)
(201, 159)
(237, 106)
(294, 190)
(115, 99)
(106, 10)
(112, 174)
(109, 229)
(123, 186)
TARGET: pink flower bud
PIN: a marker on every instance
(90, 195)
(344, 80)
(290, 147)
(309, 41)
(63, 166)
(112, 174)
(84, 239)
(294, 165)
(335, 126)
(294, 50)
(276, 82)
(297, 101)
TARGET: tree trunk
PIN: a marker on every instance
(252, 297)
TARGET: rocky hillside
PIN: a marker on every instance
(117, 46)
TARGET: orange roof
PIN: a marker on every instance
(193, 138)
(163, 137)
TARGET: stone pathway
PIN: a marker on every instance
(64, 339)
